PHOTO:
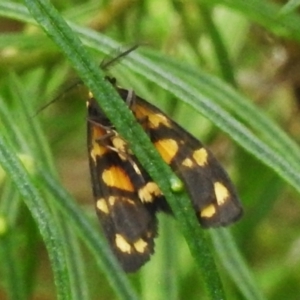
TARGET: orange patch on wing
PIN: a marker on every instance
(117, 177)
(97, 149)
(167, 149)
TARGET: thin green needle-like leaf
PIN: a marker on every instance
(290, 6)
(265, 13)
(235, 265)
(42, 216)
(35, 142)
(11, 269)
(219, 47)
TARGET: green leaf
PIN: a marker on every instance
(40, 212)
(290, 6)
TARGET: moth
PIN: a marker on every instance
(127, 199)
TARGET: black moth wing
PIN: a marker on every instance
(212, 193)
(124, 193)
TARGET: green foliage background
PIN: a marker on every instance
(216, 67)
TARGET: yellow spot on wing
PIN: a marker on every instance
(154, 119)
(122, 244)
(187, 163)
(102, 206)
(208, 211)
(200, 156)
(111, 200)
(221, 192)
(120, 145)
(117, 177)
(167, 149)
(147, 192)
(140, 246)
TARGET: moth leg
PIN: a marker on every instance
(105, 138)
(130, 101)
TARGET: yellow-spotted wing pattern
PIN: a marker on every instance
(126, 197)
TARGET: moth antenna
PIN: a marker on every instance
(69, 88)
(105, 64)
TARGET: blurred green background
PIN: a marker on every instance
(247, 49)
